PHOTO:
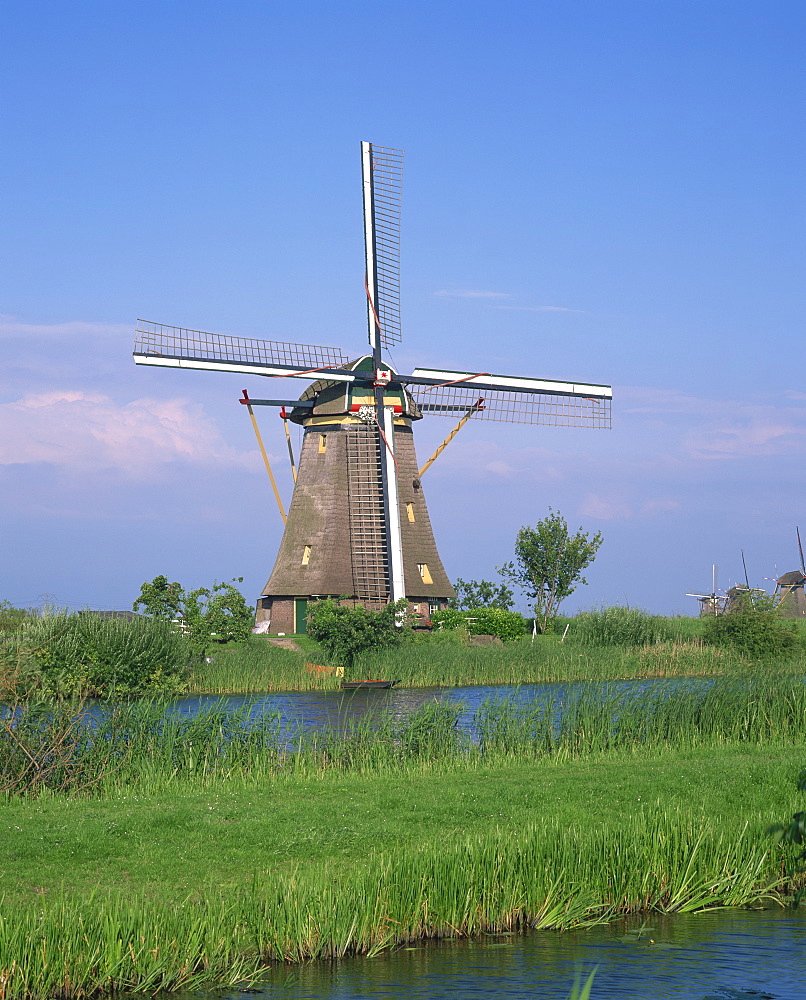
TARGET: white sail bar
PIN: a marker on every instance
(511, 382)
(382, 174)
(178, 347)
(397, 583)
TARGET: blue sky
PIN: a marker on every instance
(605, 192)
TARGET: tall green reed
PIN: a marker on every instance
(543, 876)
(151, 746)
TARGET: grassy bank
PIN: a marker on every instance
(258, 666)
(206, 849)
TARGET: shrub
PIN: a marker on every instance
(344, 632)
(507, 625)
(85, 654)
(754, 627)
(12, 619)
(620, 626)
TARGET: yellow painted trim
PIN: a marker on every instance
(306, 555)
(410, 512)
(322, 443)
(424, 572)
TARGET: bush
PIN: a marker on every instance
(12, 619)
(507, 625)
(755, 628)
(620, 626)
(344, 632)
(85, 654)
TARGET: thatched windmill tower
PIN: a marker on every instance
(789, 594)
(358, 526)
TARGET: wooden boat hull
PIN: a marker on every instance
(367, 685)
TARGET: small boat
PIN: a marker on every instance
(366, 685)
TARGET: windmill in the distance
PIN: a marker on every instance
(358, 526)
(715, 602)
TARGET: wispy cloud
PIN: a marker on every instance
(542, 309)
(11, 326)
(468, 293)
(604, 508)
(83, 432)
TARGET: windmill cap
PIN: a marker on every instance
(791, 579)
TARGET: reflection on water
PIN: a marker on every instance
(724, 955)
(312, 710)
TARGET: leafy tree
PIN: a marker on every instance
(344, 632)
(160, 599)
(216, 613)
(549, 562)
(481, 594)
(219, 612)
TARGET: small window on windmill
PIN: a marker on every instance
(322, 443)
(306, 555)
(410, 512)
(425, 575)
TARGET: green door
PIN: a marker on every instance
(300, 615)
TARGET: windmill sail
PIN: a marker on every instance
(512, 399)
(178, 347)
(382, 171)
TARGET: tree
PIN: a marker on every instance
(219, 612)
(345, 632)
(160, 599)
(481, 594)
(216, 613)
(549, 562)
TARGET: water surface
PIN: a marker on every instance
(721, 955)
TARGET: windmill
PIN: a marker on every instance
(358, 526)
(715, 602)
(789, 589)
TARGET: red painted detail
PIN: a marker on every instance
(245, 399)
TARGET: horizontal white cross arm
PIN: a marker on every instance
(483, 380)
(242, 368)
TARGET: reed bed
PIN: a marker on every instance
(147, 745)
(260, 666)
(544, 876)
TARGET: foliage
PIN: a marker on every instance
(620, 626)
(12, 619)
(549, 562)
(218, 613)
(481, 594)
(794, 833)
(754, 627)
(507, 625)
(161, 599)
(344, 632)
(86, 655)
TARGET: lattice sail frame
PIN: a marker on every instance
(513, 407)
(387, 182)
(177, 341)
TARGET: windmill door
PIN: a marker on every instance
(300, 615)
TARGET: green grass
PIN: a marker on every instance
(205, 886)
(205, 849)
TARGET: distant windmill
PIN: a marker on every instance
(715, 602)
(789, 589)
(358, 526)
